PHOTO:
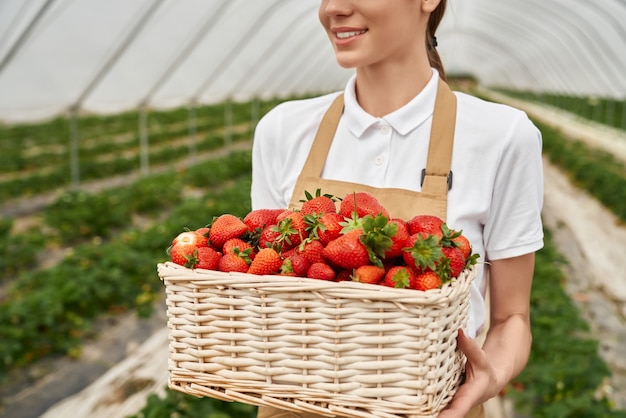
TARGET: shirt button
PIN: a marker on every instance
(378, 160)
(384, 129)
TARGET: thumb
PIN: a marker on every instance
(469, 347)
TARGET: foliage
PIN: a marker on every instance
(608, 111)
(594, 170)
(49, 311)
(564, 371)
(177, 404)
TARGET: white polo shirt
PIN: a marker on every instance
(497, 189)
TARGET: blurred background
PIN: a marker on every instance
(124, 122)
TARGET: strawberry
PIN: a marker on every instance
(269, 237)
(188, 237)
(456, 262)
(230, 245)
(427, 280)
(234, 262)
(321, 271)
(399, 277)
(347, 251)
(422, 251)
(344, 275)
(183, 253)
(260, 218)
(208, 258)
(318, 204)
(292, 229)
(425, 223)
(295, 265)
(368, 274)
(397, 240)
(329, 227)
(312, 250)
(225, 227)
(204, 236)
(463, 243)
(361, 203)
(267, 261)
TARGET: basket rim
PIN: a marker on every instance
(171, 273)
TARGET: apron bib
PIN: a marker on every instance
(401, 203)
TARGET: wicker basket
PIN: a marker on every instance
(341, 349)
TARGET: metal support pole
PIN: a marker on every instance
(143, 141)
(192, 124)
(228, 123)
(74, 158)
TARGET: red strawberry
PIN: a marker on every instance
(319, 204)
(267, 261)
(457, 261)
(344, 275)
(260, 218)
(269, 237)
(347, 251)
(329, 227)
(208, 258)
(188, 237)
(312, 250)
(422, 251)
(230, 245)
(292, 228)
(204, 236)
(295, 265)
(427, 280)
(425, 223)
(321, 271)
(463, 243)
(362, 203)
(225, 227)
(233, 262)
(368, 274)
(399, 277)
(398, 240)
(183, 253)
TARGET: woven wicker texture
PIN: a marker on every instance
(332, 348)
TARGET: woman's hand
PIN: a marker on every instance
(507, 346)
(480, 380)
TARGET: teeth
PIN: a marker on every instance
(344, 35)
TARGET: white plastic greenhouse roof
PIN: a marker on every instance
(106, 56)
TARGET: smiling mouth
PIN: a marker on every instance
(346, 35)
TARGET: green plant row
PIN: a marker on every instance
(93, 128)
(564, 371)
(177, 404)
(49, 312)
(592, 169)
(611, 112)
(45, 181)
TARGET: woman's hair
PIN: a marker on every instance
(433, 23)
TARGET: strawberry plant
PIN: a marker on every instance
(564, 369)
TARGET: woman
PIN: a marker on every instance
(382, 138)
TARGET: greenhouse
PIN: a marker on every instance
(124, 123)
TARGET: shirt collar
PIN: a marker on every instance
(403, 120)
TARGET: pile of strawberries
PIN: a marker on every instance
(352, 238)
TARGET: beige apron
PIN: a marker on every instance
(401, 203)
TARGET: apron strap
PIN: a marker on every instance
(437, 176)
